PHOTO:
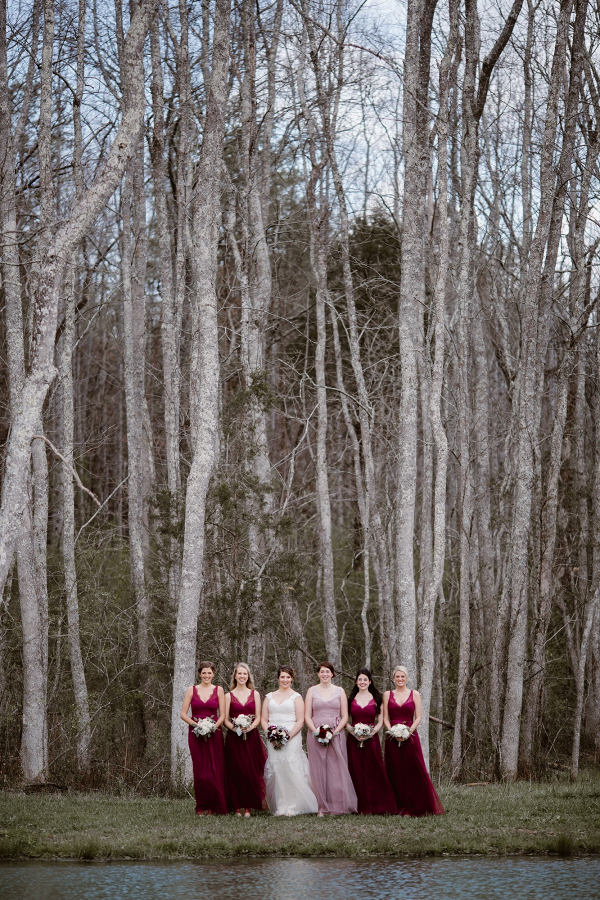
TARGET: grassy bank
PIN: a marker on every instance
(521, 818)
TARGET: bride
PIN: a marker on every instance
(287, 777)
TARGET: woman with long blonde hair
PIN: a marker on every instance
(404, 762)
(245, 755)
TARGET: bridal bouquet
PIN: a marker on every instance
(324, 734)
(362, 730)
(399, 732)
(241, 722)
(204, 728)
(277, 736)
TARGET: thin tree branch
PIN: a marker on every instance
(42, 437)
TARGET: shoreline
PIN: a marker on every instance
(249, 858)
(517, 820)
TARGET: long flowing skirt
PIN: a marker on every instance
(208, 761)
(406, 769)
(287, 779)
(245, 769)
(374, 792)
(330, 776)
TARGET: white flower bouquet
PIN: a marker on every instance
(324, 734)
(204, 728)
(240, 723)
(362, 730)
(399, 732)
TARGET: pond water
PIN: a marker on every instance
(305, 879)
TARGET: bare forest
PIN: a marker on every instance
(299, 359)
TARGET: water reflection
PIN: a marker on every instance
(305, 879)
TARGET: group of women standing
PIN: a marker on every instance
(339, 776)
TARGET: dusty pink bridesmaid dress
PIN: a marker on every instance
(329, 764)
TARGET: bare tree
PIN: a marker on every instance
(41, 365)
(204, 377)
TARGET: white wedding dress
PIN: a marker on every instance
(287, 776)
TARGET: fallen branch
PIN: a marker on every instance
(91, 519)
(441, 722)
(42, 437)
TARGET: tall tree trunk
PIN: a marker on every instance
(171, 315)
(434, 584)
(319, 250)
(204, 380)
(592, 609)
(133, 321)
(319, 265)
(83, 727)
(419, 20)
(257, 130)
(34, 750)
(41, 370)
(474, 99)
(364, 511)
(537, 292)
(595, 635)
(133, 261)
(532, 715)
(470, 158)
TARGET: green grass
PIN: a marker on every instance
(560, 818)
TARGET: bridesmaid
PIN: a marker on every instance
(326, 704)
(365, 761)
(245, 756)
(404, 763)
(206, 701)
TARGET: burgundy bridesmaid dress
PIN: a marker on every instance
(208, 757)
(245, 761)
(373, 789)
(404, 763)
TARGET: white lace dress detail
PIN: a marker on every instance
(287, 776)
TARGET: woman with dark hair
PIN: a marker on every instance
(326, 718)
(365, 760)
(204, 711)
(287, 777)
(245, 755)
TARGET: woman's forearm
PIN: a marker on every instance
(297, 728)
(342, 724)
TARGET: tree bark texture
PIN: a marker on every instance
(41, 366)
(204, 381)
